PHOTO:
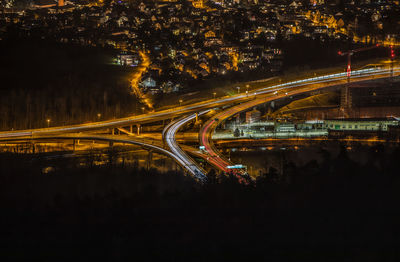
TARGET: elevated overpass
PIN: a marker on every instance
(248, 101)
(277, 92)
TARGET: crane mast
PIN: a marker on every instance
(352, 52)
(345, 102)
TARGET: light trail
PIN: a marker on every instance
(156, 116)
(270, 94)
(214, 158)
(116, 140)
(169, 134)
(185, 109)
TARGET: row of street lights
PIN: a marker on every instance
(247, 89)
(180, 104)
(48, 120)
(215, 94)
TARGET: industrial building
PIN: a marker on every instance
(253, 116)
(361, 124)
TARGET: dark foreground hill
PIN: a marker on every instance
(334, 211)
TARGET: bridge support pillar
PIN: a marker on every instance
(130, 128)
(197, 117)
(138, 129)
(112, 131)
(345, 99)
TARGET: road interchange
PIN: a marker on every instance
(169, 134)
(265, 95)
(176, 152)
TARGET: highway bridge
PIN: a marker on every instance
(187, 113)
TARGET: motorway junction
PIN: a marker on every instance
(213, 113)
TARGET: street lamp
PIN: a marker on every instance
(180, 102)
(214, 94)
(238, 88)
(98, 116)
(48, 122)
(143, 110)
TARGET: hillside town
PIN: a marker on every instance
(188, 40)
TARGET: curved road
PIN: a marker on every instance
(270, 94)
(169, 133)
(170, 113)
(146, 144)
(267, 94)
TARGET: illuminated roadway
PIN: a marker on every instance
(144, 118)
(260, 96)
(145, 143)
(272, 93)
(169, 133)
(170, 113)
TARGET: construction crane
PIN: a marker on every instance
(345, 99)
(392, 56)
(352, 52)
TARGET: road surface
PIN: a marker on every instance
(371, 73)
(169, 134)
(259, 96)
(273, 93)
